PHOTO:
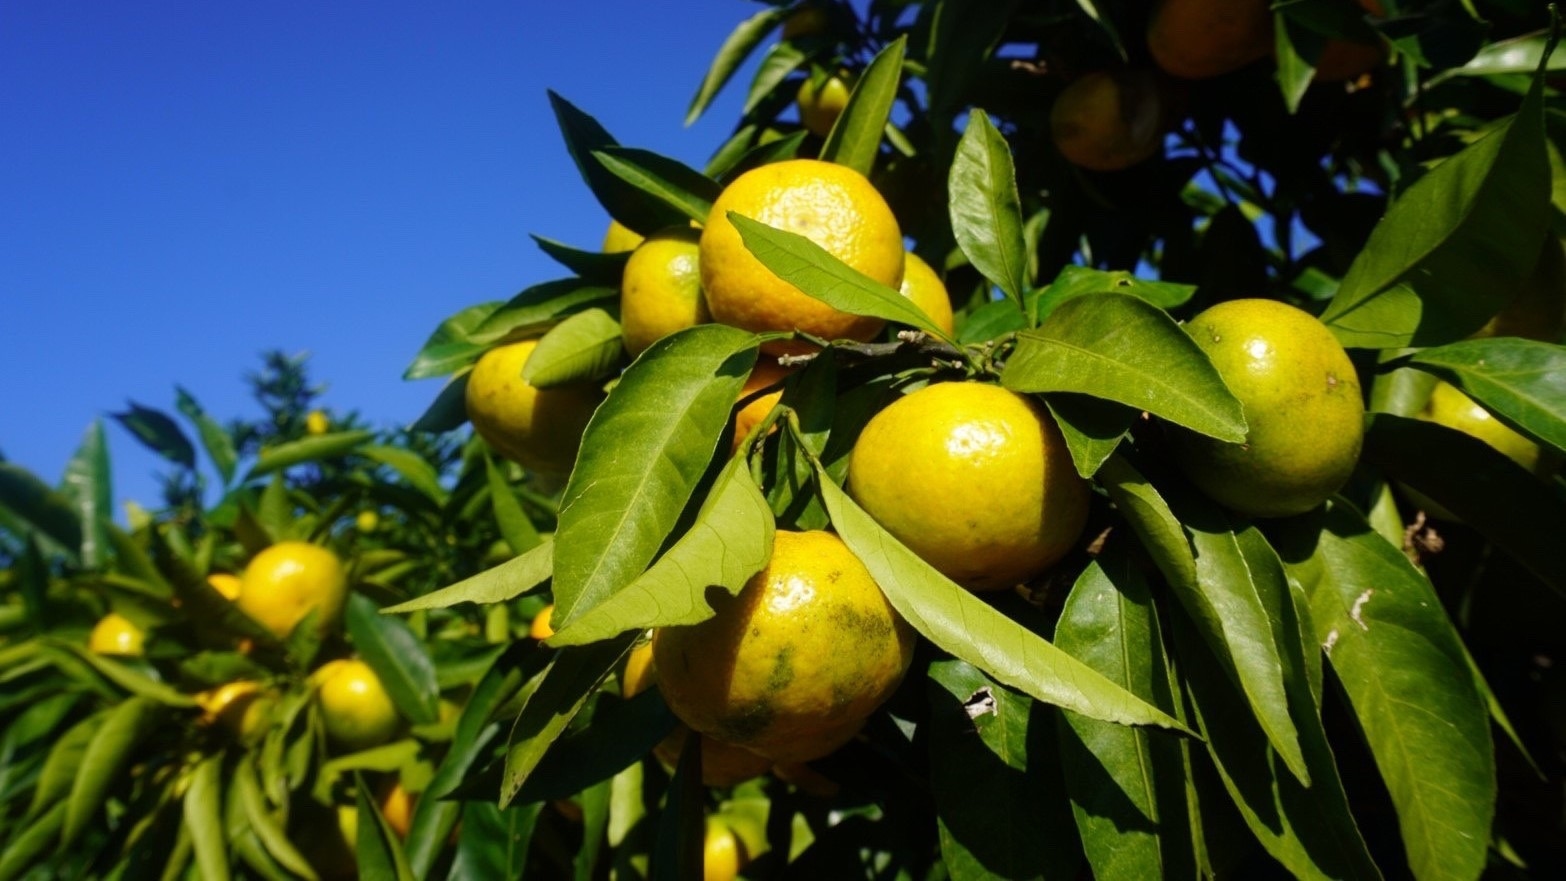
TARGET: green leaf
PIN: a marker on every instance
(1223, 575)
(963, 36)
(981, 731)
(308, 449)
(158, 433)
(621, 732)
(1127, 785)
(378, 852)
(107, 756)
(541, 307)
(1092, 427)
(29, 845)
(735, 49)
(855, 139)
(1450, 252)
(30, 508)
(991, 321)
(123, 675)
(971, 629)
(59, 769)
(494, 843)
(986, 212)
(730, 540)
(449, 410)
(807, 266)
(1407, 676)
(786, 147)
(566, 684)
(585, 347)
(203, 810)
(1486, 490)
(415, 469)
(1079, 281)
(624, 202)
(398, 658)
(677, 850)
(507, 581)
(1297, 48)
(1522, 382)
(452, 346)
(265, 826)
(1120, 348)
(1518, 55)
(87, 484)
(780, 60)
(515, 527)
(590, 266)
(675, 184)
(214, 439)
(642, 455)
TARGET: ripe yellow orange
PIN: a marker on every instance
(723, 852)
(792, 666)
(975, 479)
(660, 290)
(366, 521)
(542, 628)
(1302, 403)
(355, 708)
(722, 764)
(1109, 121)
(765, 374)
(1450, 407)
(240, 706)
(820, 104)
(619, 237)
(226, 584)
(833, 206)
(927, 291)
(317, 423)
(290, 579)
(397, 807)
(114, 634)
(1197, 39)
(539, 429)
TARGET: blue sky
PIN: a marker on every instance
(184, 185)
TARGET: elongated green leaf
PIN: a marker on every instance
(452, 346)
(982, 730)
(30, 507)
(1406, 673)
(1522, 382)
(591, 266)
(740, 43)
(1092, 10)
(1120, 348)
(623, 201)
(621, 732)
(583, 348)
(1450, 251)
(449, 410)
(158, 433)
(415, 469)
(494, 843)
(509, 580)
(729, 542)
(642, 456)
(542, 306)
(515, 527)
(1297, 48)
(398, 658)
(59, 769)
(807, 266)
(855, 138)
(214, 439)
(1218, 573)
(1079, 281)
(1127, 786)
(261, 821)
(781, 59)
(786, 147)
(107, 756)
(87, 484)
(122, 675)
(564, 689)
(308, 449)
(378, 852)
(1483, 488)
(971, 629)
(1092, 427)
(28, 846)
(985, 209)
(1519, 55)
(675, 184)
(677, 850)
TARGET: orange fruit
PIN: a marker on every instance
(833, 206)
(723, 852)
(317, 423)
(1109, 121)
(975, 479)
(241, 706)
(226, 584)
(821, 103)
(290, 579)
(1197, 39)
(722, 764)
(792, 666)
(539, 429)
(619, 237)
(1450, 407)
(355, 708)
(927, 291)
(114, 634)
(1302, 403)
(766, 373)
(660, 290)
(397, 807)
(541, 628)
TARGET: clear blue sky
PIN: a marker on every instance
(184, 185)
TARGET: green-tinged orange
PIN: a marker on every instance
(1302, 403)
(289, 580)
(660, 290)
(821, 102)
(792, 666)
(833, 206)
(1450, 407)
(1106, 121)
(975, 479)
(355, 708)
(540, 429)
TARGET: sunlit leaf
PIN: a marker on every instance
(308, 449)
(1522, 382)
(398, 658)
(669, 181)
(214, 438)
(582, 348)
(87, 484)
(107, 756)
(855, 139)
(158, 433)
(740, 43)
(986, 214)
